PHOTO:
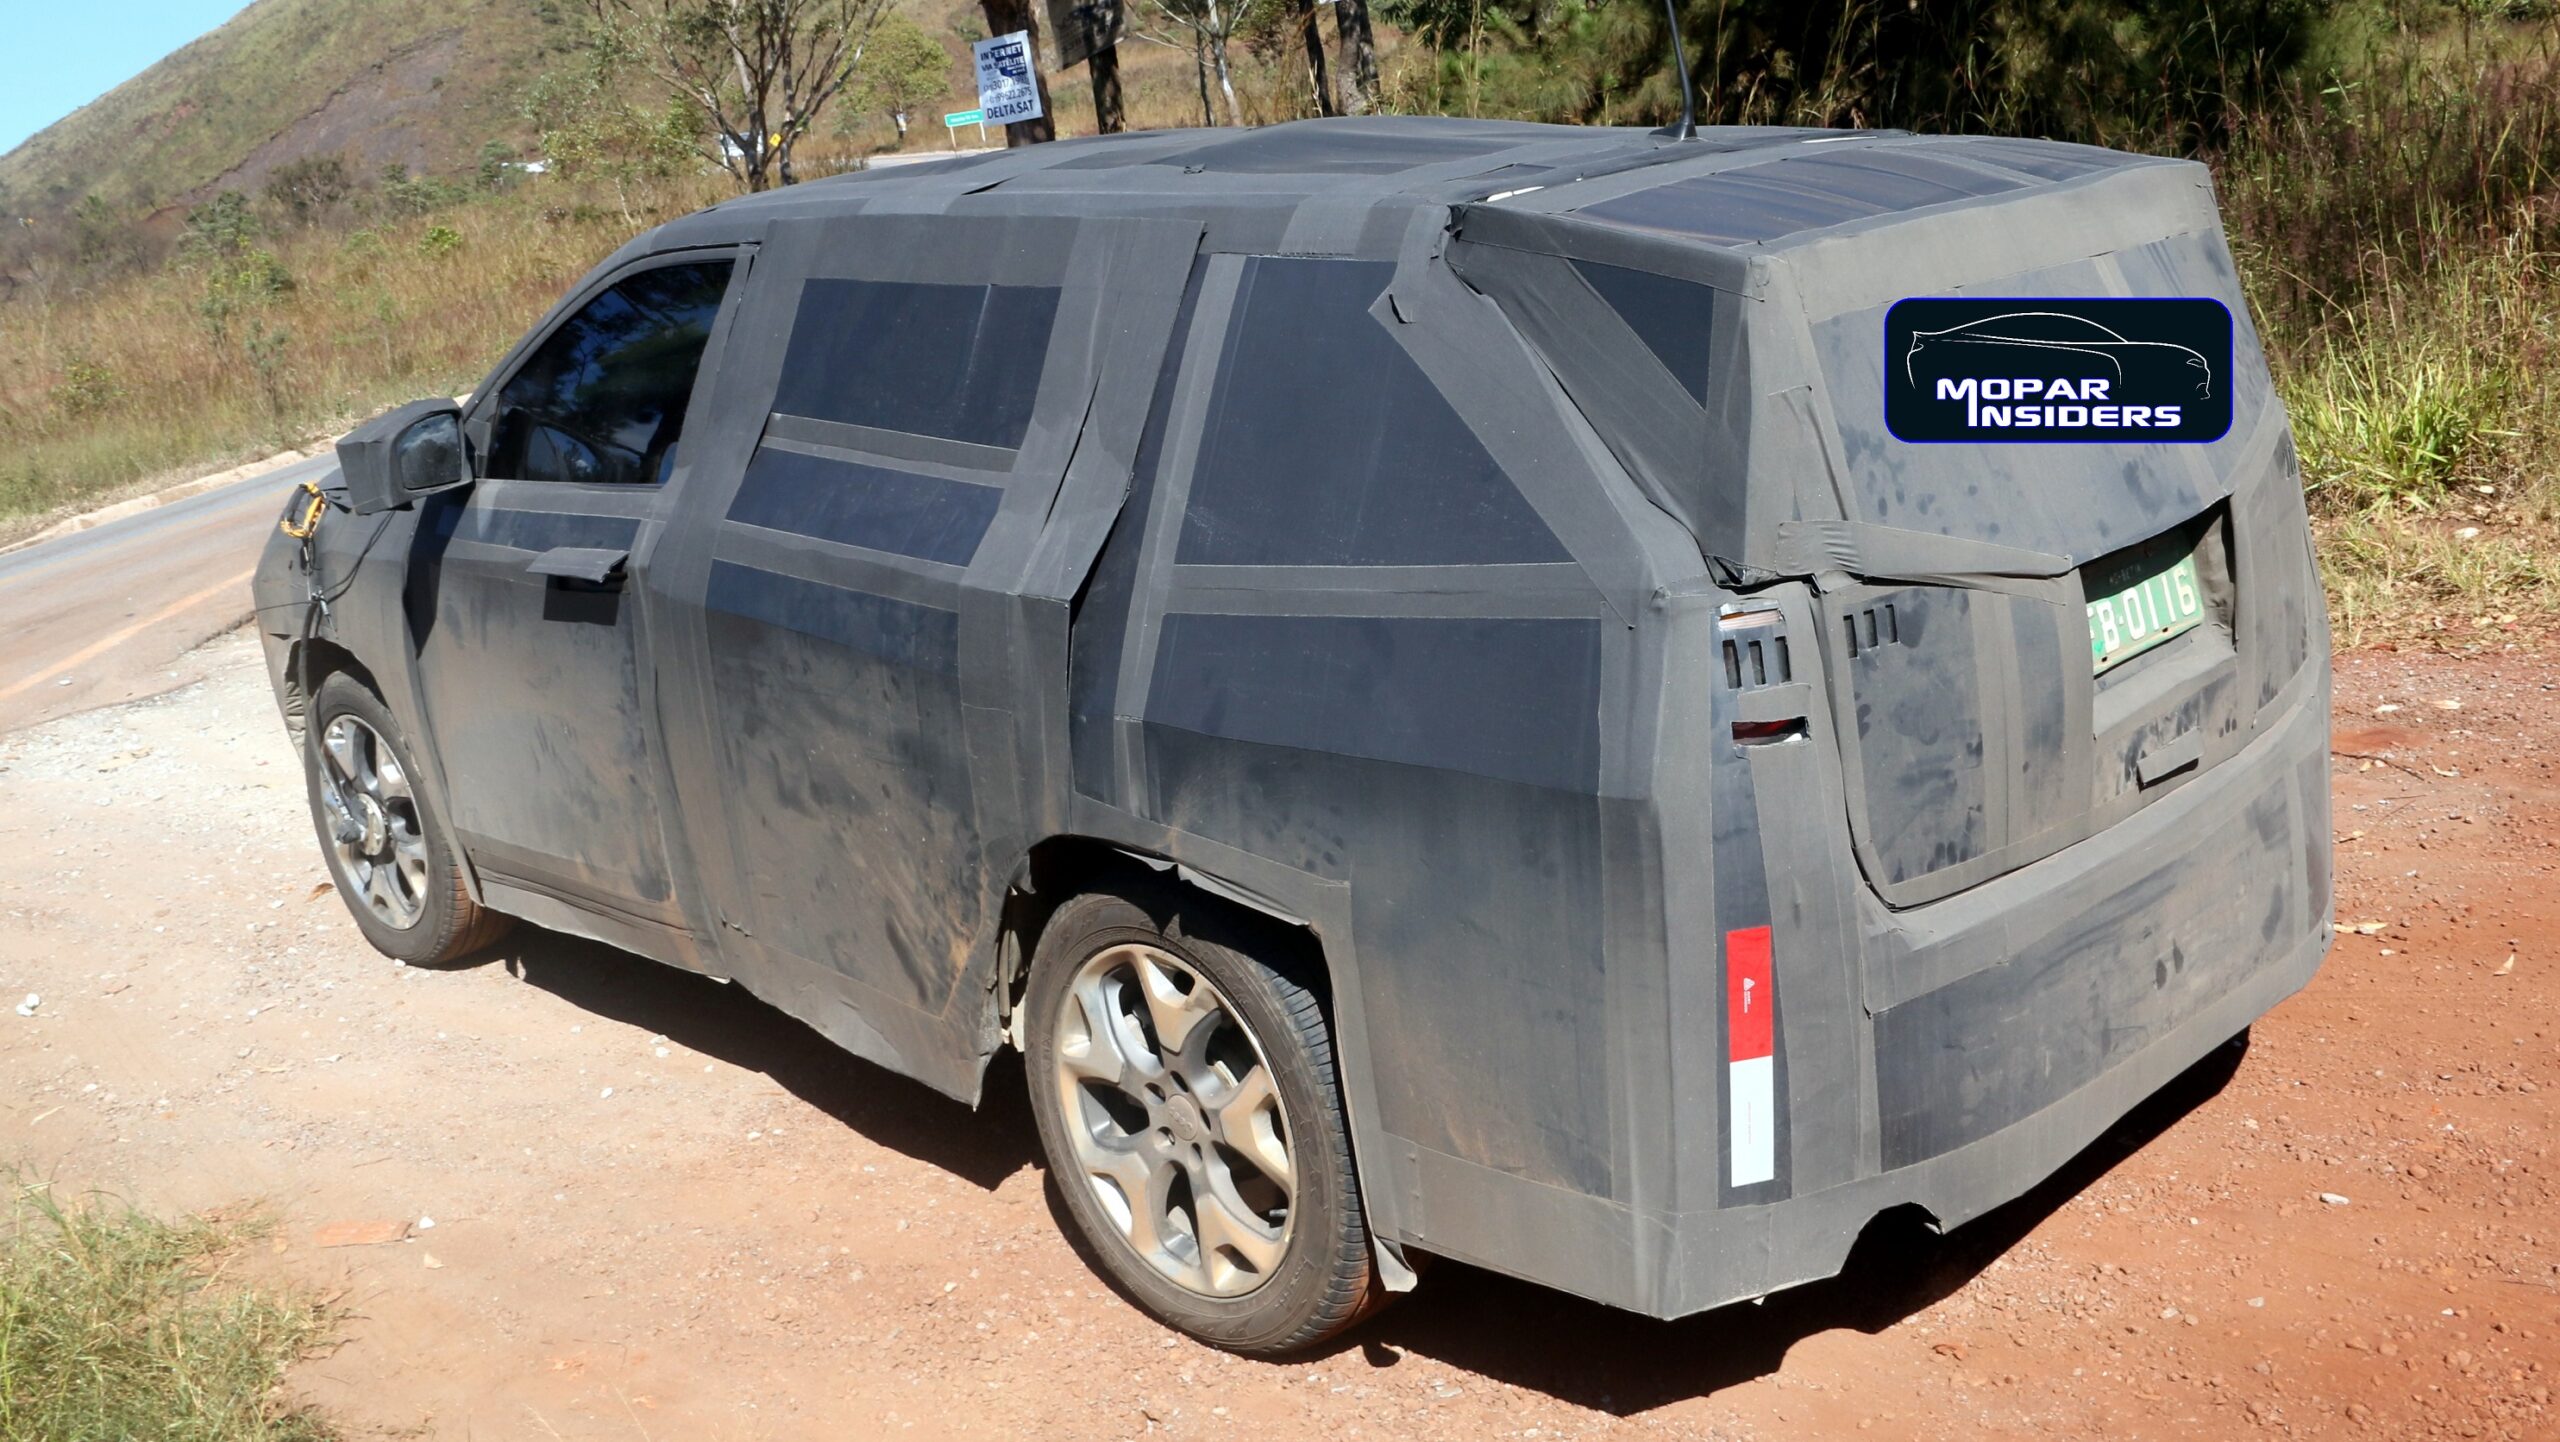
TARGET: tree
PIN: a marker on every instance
(1359, 54)
(2092, 70)
(1211, 26)
(902, 68)
(1319, 79)
(590, 133)
(305, 189)
(761, 72)
(104, 236)
(218, 231)
(241, 280)
(1110, 111)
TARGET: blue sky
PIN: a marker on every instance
(56, 57)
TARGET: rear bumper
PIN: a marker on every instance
(1983, 1041)
(2010, 1026)
(1807, 1238)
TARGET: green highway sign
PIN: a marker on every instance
(958, 118)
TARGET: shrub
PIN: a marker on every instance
(308, 188)
(86, 389)
(400, 193)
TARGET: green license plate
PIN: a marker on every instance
(2165, 604)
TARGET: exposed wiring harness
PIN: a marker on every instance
(306, 531)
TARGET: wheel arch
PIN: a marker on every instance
(327, 656)
(1067, 865)
(314, 660)
(1063, 866)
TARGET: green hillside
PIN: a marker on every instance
(381, 81)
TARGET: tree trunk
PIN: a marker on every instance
(1003, 18)
(1109, 118)
(1227, 85)
(1319, 75)
(1200, 72)
(1217, 33)
(1359, 53)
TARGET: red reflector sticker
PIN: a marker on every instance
(1751, 1115)
(1746, 982)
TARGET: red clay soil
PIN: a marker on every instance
(580, 1196)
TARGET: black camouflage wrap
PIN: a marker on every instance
(1355, 515)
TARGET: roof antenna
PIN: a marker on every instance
(1687, 129)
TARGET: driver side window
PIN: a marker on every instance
(602, 401)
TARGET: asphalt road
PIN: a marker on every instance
(109, 614)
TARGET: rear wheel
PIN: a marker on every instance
(1187, 1102)
(394, 865)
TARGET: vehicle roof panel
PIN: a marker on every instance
(1732, 187)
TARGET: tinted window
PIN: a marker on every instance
(603, 400)
(879, 509)
(1327, 445)
(961, 362)
(1673, 318)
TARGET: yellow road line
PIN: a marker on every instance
(114, 639)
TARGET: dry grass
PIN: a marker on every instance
(2400, 237)
(2398, 231)
(117, 1327)
(101, 387)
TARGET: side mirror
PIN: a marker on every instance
(393, 459)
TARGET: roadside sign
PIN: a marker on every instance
(952, 122)
(1082, 27)
(1008, 88)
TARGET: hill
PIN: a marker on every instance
(381, 81)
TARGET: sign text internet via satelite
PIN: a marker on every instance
(1008, 91)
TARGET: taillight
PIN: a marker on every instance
(1753, 640)
(1755, 648)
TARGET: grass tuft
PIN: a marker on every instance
(117, 1327)
(2379, 422)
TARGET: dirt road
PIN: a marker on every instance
(662, 1211)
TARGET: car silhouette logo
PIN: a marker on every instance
(2049, 330)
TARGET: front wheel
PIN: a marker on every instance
(1186, 1099)
(394, 865)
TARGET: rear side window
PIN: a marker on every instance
(1674, 319)
(961, 362)
(603, 400)
(1327, 445)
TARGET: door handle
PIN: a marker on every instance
(594, 565)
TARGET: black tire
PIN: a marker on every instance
(1323, 1282)
(449, 924)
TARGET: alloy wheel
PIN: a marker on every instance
(1176, 1120)
(375, 830)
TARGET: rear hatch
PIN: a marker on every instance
(2021, 644)
(2032, 642)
